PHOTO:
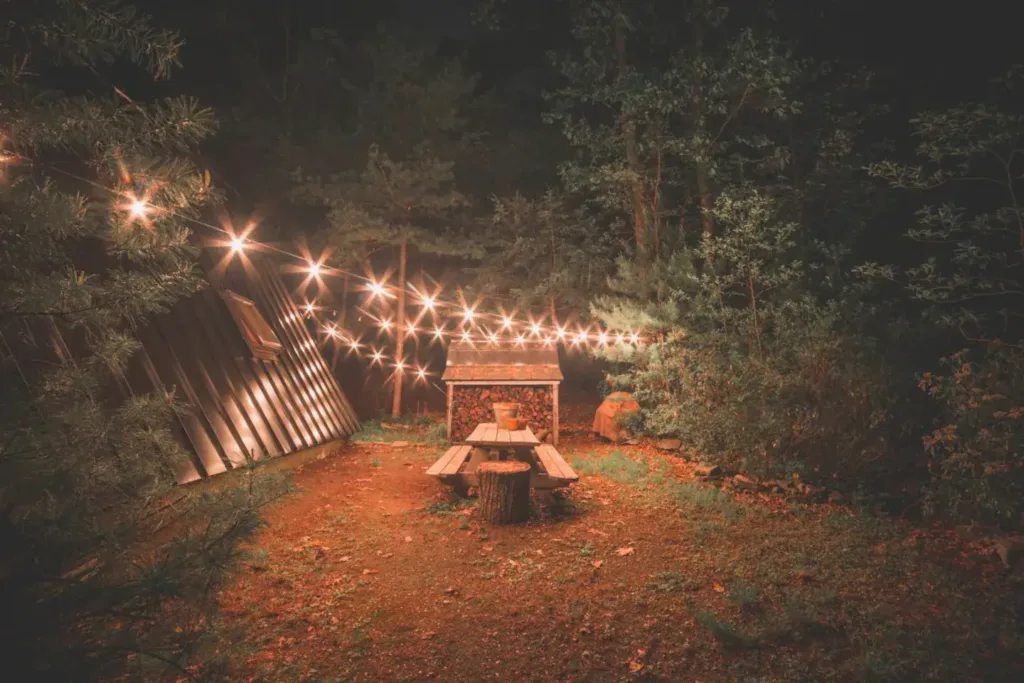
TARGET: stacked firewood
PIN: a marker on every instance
(472, 405)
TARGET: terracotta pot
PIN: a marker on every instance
(504, 410)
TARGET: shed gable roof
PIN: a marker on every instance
(503, 363)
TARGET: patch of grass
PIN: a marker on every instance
(671, 582)
(688, 494)
(258, 557)
(746, 595)
(616, 466)
(728, 635)
(375, 461)
(586, 550)
(414, 430)
(450, 507)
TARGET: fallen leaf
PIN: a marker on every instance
(622, 552)
(635, 666)
(597, 563)
(719, 588)
(408, 539)
(428, 634)
(369, 571)
(597, 532)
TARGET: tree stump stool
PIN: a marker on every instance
(504, 489)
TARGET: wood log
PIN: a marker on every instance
(471, 405)
(504, 491)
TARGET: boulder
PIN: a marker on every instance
(669, 445)
(708, 471)
(610, 415)
(744, 483)
(1010, 550)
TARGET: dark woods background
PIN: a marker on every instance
(811, 209)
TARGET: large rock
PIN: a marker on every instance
(1011, 551)
(609, 416)
(744, 483)
(707, 471)
(669, 445)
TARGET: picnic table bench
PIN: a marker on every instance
(457, 467)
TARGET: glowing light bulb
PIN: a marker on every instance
(438, 332)
(602, 338)
(310, 308)
(578, 338)
(619, 338)
(421, 374)
(377, 355)
(376, 289)
(520, 340)
(138, 208)
(314, 269)
(411, 332)
(493, 338)
(237, 244)
(385, 325)
(534, 328)
(506, 323)
(467, 314)
(429, 303)
(353, 344)
(561, 333)
(634, 338)
(399, 366)
(465, 337)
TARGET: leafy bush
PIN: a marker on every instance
(975, 455)
(752, 372)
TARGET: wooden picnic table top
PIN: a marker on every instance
(488, 435)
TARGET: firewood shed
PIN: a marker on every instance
(479, 376)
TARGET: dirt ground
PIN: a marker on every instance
(373, 572)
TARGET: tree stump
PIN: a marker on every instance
(504, 491)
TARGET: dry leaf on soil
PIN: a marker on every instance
(597, 563)
(719, 588)
(622, 552)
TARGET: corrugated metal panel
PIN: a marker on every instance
(240, 404)
(501, 363)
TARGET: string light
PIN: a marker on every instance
(377, 356)
(141, 208)
(385, 325)
(421, 374)
(399, 366)
(492, 337)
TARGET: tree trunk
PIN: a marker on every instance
(396, 398)
(344, 303)
(504, 491)
(636, 187)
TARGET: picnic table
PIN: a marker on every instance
(457, 467)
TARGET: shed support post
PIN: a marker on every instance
(554, 414)
(451, 393)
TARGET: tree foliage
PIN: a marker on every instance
(98, 541)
